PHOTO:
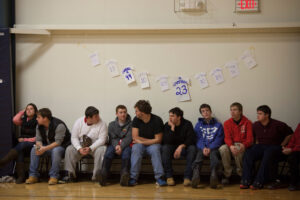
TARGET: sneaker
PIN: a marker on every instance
(214, 181)
(161, 182)
(132, 182)
(102, 179)
(124, 179)
(186, 182)
(256, 186)
(225, 180)
(195, 183)
(292, 188)
(69, 178)
(52, 181)
(31, 180)
(275, 185)
(244, 186)
(170, 181)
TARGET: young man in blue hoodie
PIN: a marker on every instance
(210, 136)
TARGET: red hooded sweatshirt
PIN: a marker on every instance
(294, 143)
(241, 133)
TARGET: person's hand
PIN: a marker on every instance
(40, 151)
(171, 125)
(118, 150)
(137, 141)
(21, 139)
(233, 150)
(177, 152)
(206, 151)
(83, 151)
(242, 148)
(286, 151)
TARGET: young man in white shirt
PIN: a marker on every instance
(89, 136)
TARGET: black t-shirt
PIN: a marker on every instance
(148, 130)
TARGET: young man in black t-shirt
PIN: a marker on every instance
(147, 131)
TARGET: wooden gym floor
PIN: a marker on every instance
(146, 190)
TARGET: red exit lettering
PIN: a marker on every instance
(247, 4)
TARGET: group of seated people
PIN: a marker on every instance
(266, 140)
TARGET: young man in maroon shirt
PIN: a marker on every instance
(270, 136)
(293, 150)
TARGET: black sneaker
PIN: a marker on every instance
(293, 188)
(69, 178)
(275, 185)
(125, 179)
(225, 180)
(256, 186)
(102, 179)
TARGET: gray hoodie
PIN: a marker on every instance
(117, 133)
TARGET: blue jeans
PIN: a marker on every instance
(21, 148)
(267, 154)
(110, 154)
(214, 157)
(56, 154)
(138, 151)
(167, 157)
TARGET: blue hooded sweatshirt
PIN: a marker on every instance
(209, 135)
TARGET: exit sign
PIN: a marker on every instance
(246, 6)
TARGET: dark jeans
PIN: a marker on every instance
(214, 157)
(167, 157)
(294, 160)
(268, 155)
(21, 148)
(111, 154)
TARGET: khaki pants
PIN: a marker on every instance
(72, 156)
(226, 160)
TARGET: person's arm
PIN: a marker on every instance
(17, 120)
(293, 142)
(102, 137)
(43, 149)
(157, 140)
(286, 140)
(249, 136)
(113, 137)
(228, 134)
(29, 139)
(75, 134)
(190, 135)
(199, 137)
(135, 135)
(178, 151)
(287, 131)
(60, 133)
(126, 141)
(218, 140)
(38, 137)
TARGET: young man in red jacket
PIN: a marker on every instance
(238, 137)
(270, 136)
(293, 150)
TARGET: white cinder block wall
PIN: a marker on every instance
(55, 71)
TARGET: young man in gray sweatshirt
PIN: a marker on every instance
(120, 139)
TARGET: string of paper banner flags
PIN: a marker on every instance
(180, 83)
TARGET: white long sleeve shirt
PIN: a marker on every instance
(97, 132)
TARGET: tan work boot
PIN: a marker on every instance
(186, 182)
(170, 181)
(52, 181)
(31, 180)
